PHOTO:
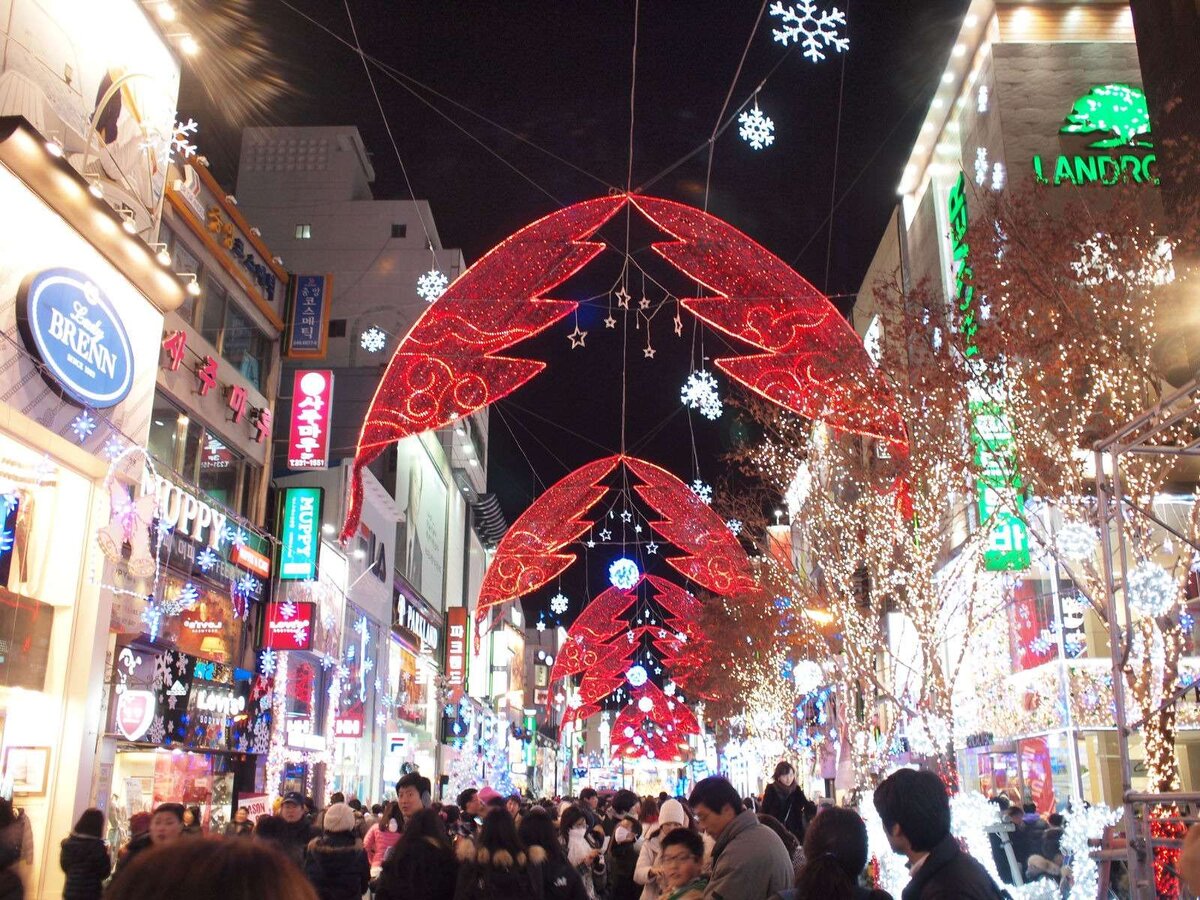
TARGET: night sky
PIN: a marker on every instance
(558, 75)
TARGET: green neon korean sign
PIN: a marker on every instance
(1115, 117)
(300, 533)
(998, 496)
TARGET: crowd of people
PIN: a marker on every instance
(712, 845)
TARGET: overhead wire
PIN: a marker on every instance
(837, 143)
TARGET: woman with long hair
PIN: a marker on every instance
(785, 800)
(383, 836)
(560, 881)
(498, 866)
(835, 850)
(84, 858)
(421, 865)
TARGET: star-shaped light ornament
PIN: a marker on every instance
(648, 352)
(644, 303)
(610, 322)
(577, 338)
(605, 534)
(652, 548)
(623, 298)
(626, 516)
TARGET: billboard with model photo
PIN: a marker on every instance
(422, 497)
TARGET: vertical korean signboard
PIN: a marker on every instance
(308, 325)
(299, 533)
(456, 651)
(312, 398)
(998, 496)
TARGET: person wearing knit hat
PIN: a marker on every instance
(336, 863)
(671, 815)
(489, 795)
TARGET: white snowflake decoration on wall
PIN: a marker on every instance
(113, 448)
(559, 604)
(734, 525)
(206, 559)
(981, 165)
(83, 425)
(373, 339)
(268, 662)
(702, 490)
(756, 129)
(700, 392)
(172, 145)
(981, 99)
(432, 285)
(815, 29)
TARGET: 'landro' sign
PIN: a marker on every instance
(75, 330)
(1115, 116)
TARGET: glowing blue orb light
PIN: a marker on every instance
(623, 574)
(636, 676)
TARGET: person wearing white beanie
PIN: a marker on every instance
(671, 815)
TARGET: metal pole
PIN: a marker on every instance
(1065, 680)
(1135, 858)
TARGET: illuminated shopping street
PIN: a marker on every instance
(611, 451)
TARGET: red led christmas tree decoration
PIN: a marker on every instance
(444, 367)
(815, 363)
(812, 361)
(528, 555)
(652, 725)
(715, 558)
(596, 624)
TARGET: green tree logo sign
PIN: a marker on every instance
(1116, 113)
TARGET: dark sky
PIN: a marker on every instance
(558, 74)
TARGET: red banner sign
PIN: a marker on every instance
(456, 650)
(289, 626)
(348, 726)
(312, 394)
(251, 560)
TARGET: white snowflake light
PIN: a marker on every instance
(981, 165)
(288, 609)
(540, 626)
(807, 676)
(756, 129)
(248, 585)
(999, 176)
(734, 525)
(174, 144)
(636, 676)
(83, 425)
(189, 595)
(623, 574)
(1076, 541)
(432, 285)
(1151, 589)
(702, 490)
(559, 604)
(700, 392)
(981, 99)
(268, 662)
(373, 339)
(645, 704)
(206, 559)
(113, 448)
(815, 29)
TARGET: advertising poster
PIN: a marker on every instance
(422, 496)
(1039, 777)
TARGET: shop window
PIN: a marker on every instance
(245, 346)
(168, 434)
(220, 472)
(212, 311)
(337, 328)
(303, 232)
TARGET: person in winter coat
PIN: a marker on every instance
(382, 837)
(560, 881)
(623, 854)
(422, 865)
(335, 863)
(191, 821)
(296, 831)
(682, 861)
(835, 845)
(749, 861)
(582, 853)
(84, 858)
(784, 800)
(166, 827)
(649, 872)
(139, 835)
(241, 826)
(498, 866)
(915, 810)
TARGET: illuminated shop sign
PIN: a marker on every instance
(456, 650)
(135, 713)
(312, 400)
(237, 402)
(300, 533)
(308, 319)
(998, 488)
(74, 329)
(1116, 118)
(289, 626)
(411, 621)
(348, 726)
(230, 238)
(251, 560)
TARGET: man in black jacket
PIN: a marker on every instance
(915, 810)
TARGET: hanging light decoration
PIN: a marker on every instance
(1151, 590)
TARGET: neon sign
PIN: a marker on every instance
(1116, 117)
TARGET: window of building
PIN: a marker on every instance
(399, 230)
(212, 311)
(245, 346)
(182, 260)
(337, 328)
(303, 232)
(200, 457)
